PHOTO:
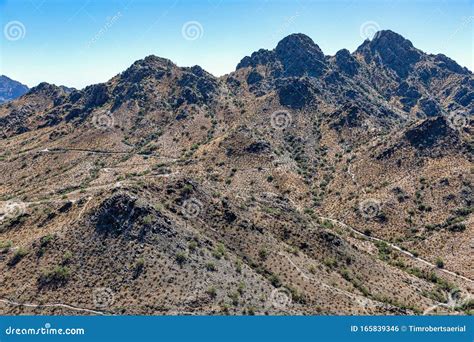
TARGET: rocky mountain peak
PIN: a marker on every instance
(392, 50)
(203, 193)
(48, 90)
(295, 55)
(346, 62)
(300, 56)
(299, 44)
(147, 67)
(10, 89)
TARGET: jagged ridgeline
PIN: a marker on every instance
(300, 183)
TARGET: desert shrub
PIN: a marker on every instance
(210, 266)
(5, 246)
(57, 276)
(219, 251)
(19, 254)
(212, 292)
(181, 258)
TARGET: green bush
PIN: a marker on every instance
(57, 276)
(19, 254)
(212, 292)
(219, 251)
(181, 258)
(5, 246)
(210, 266)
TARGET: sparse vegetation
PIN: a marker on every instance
(210, 266)
(5, 246)
(194, 201)
(219, 251)
(19, 254)
(181, 258)
(55, 277)
(212, 292)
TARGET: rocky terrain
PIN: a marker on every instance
(300, 183)
(10, 89)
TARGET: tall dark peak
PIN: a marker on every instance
(197, 86)
(10, 89)
(48, 89)
(300, 56)
(392, 50)
(298, 44)
(346, 62)
(295, 55)
(390, 36)
(156, 62)
(150, 66)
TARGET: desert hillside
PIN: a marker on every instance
(300, 184)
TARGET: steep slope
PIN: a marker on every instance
(10, 89)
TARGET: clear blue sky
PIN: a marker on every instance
(80, 42)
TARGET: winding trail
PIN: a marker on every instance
(395, 247)
(57, 305)
(391, 245)
(94, 151)
(362, 300)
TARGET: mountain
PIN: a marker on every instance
(300, 183)
(10, 89)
